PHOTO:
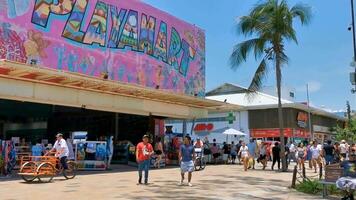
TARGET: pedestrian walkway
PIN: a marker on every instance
(214, 183)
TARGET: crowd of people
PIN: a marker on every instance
(315, 153)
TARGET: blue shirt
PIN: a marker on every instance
(187, 152)
(349, 168)
(251, 148)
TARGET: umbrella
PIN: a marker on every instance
(232, 131)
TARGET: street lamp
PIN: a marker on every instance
(353, 74)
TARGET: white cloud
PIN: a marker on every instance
(314, 86)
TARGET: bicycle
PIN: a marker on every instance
(44, 168)
(200, 162)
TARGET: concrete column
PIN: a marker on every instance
(116, 127)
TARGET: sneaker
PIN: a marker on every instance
(180, 183)
(190, 185)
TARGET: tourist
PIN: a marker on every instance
(276, 154)
(226, 150)
(252, 151)
(144, 151)
(158, 152)
(292, 152)
(215, 152)
(316, 153)
(286, 154)
(262, 151)
(244, 155)
(238, 146)
(343, 149)
(328, 152)
(61, 149)
(233, 152)
(309, 155)
(198, 144)
(301, 154)
(337, 156)
(187, 159)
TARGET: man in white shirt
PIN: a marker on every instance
(61, 149)
(343, 149)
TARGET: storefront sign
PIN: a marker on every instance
(302, 119)
(204, 127)
(274, 132)
(127, 40)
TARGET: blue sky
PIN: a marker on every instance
(321, 59)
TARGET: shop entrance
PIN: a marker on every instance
(32, 123)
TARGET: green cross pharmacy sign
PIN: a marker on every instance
(231, 118)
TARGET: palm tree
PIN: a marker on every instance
(269, 25)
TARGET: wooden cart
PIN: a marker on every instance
(44, 168)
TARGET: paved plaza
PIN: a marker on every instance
(215, 182)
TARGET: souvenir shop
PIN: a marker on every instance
(103, 73)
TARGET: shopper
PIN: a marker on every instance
(215, 151)
(187, 160)
(276, 154)
(262, 151)
(61, 149)
(226, 150)
(244, 155)
(233, 152)
(238, 146)
(343, 150)
(301, 154)
(158, 152)
(292, 151)
(144, 152)
(328, 152)
(316, 153)
(252, 151)
(337, 156)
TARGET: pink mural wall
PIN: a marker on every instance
(129, 40)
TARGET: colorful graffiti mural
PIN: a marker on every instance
(129, 40)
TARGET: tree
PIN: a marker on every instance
(270, 24)
(348, 133)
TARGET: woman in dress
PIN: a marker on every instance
(245, 155)
(263, 155)
(301, 155)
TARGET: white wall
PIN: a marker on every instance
(241, 123)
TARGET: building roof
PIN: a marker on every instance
(235, 94)
(35, 74)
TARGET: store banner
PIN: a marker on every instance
(274, 132)
(127, 40)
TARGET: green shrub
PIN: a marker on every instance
(309, 187)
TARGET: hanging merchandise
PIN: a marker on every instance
(8, 156)
(2, 162)
(91, 155)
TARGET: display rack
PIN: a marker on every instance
(91, 155)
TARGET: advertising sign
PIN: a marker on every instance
(127, 40)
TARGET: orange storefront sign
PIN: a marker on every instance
(274, 132)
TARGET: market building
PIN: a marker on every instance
(257, 118)
(95, 70)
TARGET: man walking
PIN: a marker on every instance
(328, 152)
(187, 159)
(144, 150)
(252, 151)
(276, 150)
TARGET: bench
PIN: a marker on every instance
(325, 189)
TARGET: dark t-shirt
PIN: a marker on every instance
(329, 149)
(226, 149)
(276, 151)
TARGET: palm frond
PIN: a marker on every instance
(242, 50)
(303, 12)
(257, 80)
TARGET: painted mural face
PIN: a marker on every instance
(127, 39)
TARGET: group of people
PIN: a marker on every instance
(144, 152)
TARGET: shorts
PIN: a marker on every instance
(158, 152)
(262, 157)
(187, 166)
(233, 157)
